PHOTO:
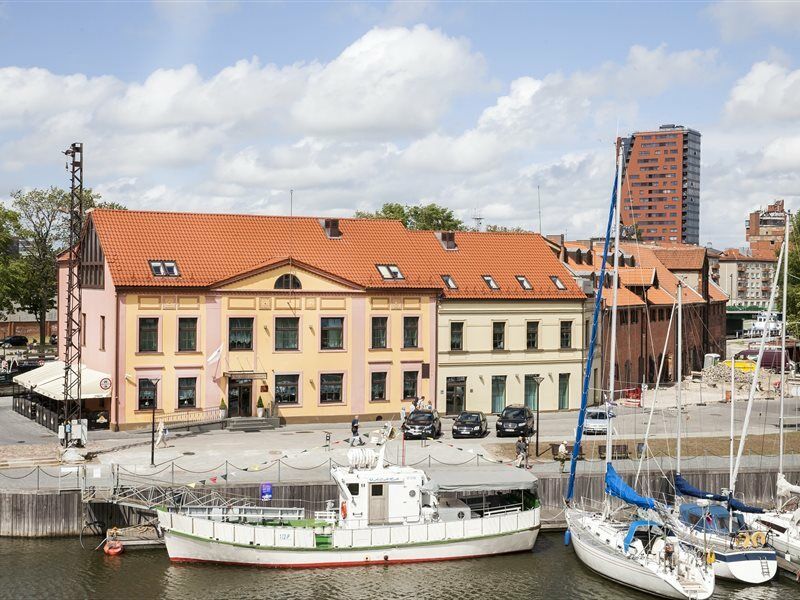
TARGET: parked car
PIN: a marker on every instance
(516, 420)
(13, 341)
(422, 424)
(597, 420)
(470, 424)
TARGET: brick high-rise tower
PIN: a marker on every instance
(661, 184)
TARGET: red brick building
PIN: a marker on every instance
(765, 229)
(661, 184)
(648, 285)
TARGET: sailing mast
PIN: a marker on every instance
(613, 350)
(680, 373)
(783, 342)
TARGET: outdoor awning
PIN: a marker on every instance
(49, 381)
(480, 479)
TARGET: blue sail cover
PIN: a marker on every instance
(635, 527)
(618, 488)
(598, 299)
(685, 488)
(734, 504)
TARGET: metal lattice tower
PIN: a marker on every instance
(72, 339)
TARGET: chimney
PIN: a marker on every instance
(448, 240)
(331, 227)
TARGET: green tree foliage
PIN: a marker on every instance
(428, 216)
(793, 288)
(40, 221)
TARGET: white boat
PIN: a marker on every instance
(641, 554)
(718, 532)
(384, 515)
(633, 554)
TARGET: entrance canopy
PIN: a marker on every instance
(480, 479)
(48, 380)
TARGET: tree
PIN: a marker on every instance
(505, 229)
(428, 216)
(42, 226)
(793, 288)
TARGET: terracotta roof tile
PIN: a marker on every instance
(636, 276)
(683, 257)
(734, 254)
(211, 248)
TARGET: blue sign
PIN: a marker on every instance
(266, 491)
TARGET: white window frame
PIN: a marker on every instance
(524, 283)
(490, 282)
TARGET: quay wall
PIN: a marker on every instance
(63, 514)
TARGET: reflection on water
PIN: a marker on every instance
(61, 569)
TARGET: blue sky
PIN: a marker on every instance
(225, 106)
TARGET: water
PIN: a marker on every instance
(55, 569)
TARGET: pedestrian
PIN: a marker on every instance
(522, 453)
(356, 438)
(414, 403)
(562, 454)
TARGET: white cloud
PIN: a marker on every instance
(395, 80)
(768, 92)
(742, 19)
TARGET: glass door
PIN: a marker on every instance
(239, 398)
(456, 392)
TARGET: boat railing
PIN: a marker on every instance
(502, 510)
(383, 535)
(331, 516)
(244, 514)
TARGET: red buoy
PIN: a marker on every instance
(113, 547)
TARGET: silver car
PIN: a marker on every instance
(597, 420)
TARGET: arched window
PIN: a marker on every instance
(287, 282)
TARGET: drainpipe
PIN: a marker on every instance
(116, 361)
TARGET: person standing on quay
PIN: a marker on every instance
(356, 438)
(522, 452)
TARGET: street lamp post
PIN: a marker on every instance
(153, 423)
(538, 381)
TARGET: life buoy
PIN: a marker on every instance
(113, 547)
(710, 557)
(743, 540)
(344, 510)
(758, 538)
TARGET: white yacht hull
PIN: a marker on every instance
(753, 565)
(613, 565)
(183, 548)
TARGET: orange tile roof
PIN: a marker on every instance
(625, 297)
(212, 248)
(667, 281)
(636, 276)
(715, 293)
(734, 254)
(683, 257)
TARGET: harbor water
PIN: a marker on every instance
(60, 568)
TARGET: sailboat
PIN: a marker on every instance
(718, 531)
(782, 525)
(640, 552)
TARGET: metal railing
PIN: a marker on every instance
(192, 417)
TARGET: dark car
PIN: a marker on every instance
(13, 340)
(515, 420)
(422, 424)
(470, 424)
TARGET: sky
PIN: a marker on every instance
(483, 107)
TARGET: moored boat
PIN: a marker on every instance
(384, 515)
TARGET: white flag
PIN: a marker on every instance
(215, 355)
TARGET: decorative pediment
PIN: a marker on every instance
(286, 276)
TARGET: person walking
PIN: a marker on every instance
(562, 454)
(356, 437)
(522, 453)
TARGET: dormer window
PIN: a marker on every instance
(389, 272)
(164, 268)
(449, 282)
(448, 240)
(489, 280)
(524, 283)
(557, 282)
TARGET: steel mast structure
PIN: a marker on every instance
(72, 337)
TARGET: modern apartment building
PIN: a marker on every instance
(765, 229)
(746, 275)
(661, 184)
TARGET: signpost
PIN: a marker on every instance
(266, 492)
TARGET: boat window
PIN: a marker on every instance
(353, 489)
(377, 489)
